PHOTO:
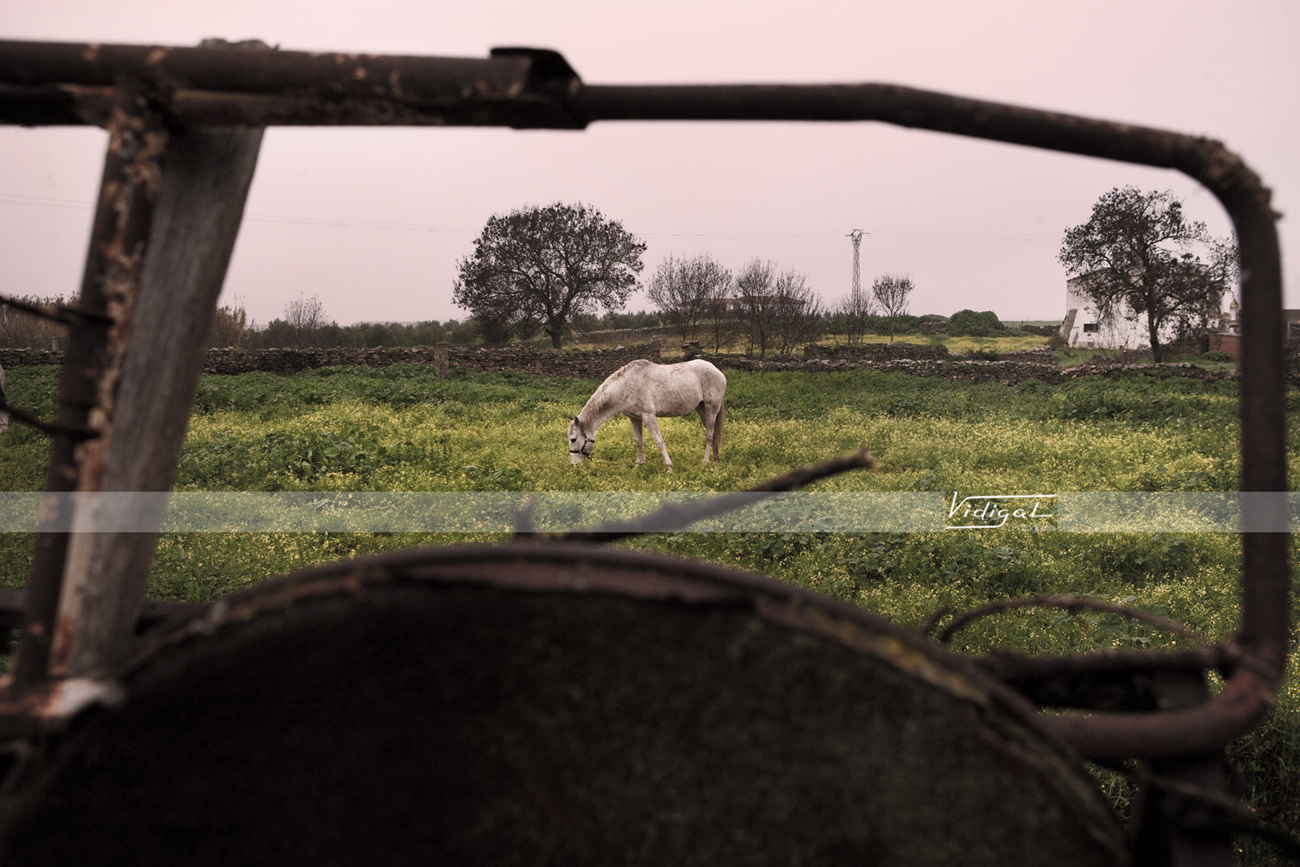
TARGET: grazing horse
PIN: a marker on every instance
(645, 391)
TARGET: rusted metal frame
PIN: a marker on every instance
(67, 316)
(1071, 604)
(132, 172)
(1264, 631)
(1265, 574)
(1167, 827)
(196, 221)
(63, 83)
(1013, 665)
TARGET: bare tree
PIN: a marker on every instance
(306, 319)
(756, 303)
(799, 317)
(691, 293)
(20, 329)
(891, 292)
(229, 326)
(852, 314)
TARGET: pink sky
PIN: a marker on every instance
(372, 221)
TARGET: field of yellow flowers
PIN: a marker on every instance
(400, 429)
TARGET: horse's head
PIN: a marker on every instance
(580, 444)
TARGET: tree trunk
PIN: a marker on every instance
(1153, 331)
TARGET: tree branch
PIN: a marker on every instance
(679, 515)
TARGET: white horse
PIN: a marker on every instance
(646, 391)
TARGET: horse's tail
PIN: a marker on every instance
(717, 431)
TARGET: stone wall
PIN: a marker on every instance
(1041, 330)
(592, 364)
(600, 363)
(21, 357)
(875, 352)
(630, 336)
(1005, 372)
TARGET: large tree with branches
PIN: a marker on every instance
(1141, 257)
(541, 267)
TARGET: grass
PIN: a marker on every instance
(402, 429)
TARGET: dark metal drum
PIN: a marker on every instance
(554, 704)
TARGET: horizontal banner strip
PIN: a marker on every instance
(558, 512)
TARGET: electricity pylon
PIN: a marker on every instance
(856, 235)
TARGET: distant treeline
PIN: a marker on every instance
(305, 326)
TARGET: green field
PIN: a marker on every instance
(402, 429)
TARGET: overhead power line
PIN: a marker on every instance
(383, 225)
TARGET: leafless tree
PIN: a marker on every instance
(799, 316)
(229, 326)
(20, 329)
(890, 292)
(777, 311)
(852, 314)
(755, 303)
(306, 319)
(692, 294)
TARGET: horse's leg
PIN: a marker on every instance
(708, 429)
(711, 418)
(653, 424)
(717, 430)
(638, 439)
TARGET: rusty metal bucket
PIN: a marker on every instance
(553, 704)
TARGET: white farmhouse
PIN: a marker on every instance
(1085, 327)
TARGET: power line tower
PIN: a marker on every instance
(856, 235)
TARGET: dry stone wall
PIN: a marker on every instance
(592, 364)
(875, 352)
(599, 363)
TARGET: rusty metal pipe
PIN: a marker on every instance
(60, 83)
(296, 73)
(522, 89)
(114, 262)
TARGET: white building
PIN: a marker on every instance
(1085, 327)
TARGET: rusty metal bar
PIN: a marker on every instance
(196, 220)
(58, 83)
(137, 143)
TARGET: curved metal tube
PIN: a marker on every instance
(523, 88)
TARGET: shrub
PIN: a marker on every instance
(968, 323)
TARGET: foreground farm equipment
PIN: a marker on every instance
(550, 701)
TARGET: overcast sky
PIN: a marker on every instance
(373, 221)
